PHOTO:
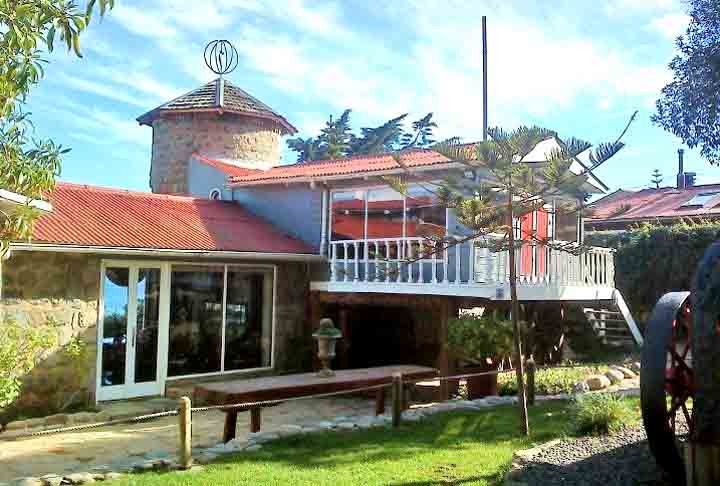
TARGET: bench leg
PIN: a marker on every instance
(380, 401)
(255, 419)
(230, 425)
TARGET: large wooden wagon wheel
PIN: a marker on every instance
(666, 381)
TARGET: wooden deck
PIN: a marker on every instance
(279, 388)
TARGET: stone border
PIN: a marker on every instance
(522, 458)
(256, 441)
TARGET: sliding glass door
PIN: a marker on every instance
(129, 331)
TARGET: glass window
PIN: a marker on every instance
(348, 216)
(114, 340)
(385, 214)
(424, 216)
(248, 325)
(148, 323)
(195, 334)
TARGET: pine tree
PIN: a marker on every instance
(380, 139)
(336, 138)
(306, 148)
(422, 135)
(657, 178)
(492, 208)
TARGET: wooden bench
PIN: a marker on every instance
(279, 388)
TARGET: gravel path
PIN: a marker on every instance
(622, 459)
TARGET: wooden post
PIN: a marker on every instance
(380, 401)
(702, 464)
(397, 399)
(443, 359)
(255, 419)
(530, 369)
(230, 424)
(185, 428)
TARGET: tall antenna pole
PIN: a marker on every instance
(485, 82)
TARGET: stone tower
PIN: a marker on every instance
(218, 120)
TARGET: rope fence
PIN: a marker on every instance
(397, 386)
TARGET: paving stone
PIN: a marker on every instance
(51, 479)
(30, 482)
(79, 478)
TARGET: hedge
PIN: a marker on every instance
(652, 260)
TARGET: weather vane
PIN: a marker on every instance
(221, 56)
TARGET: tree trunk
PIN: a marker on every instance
(514, 314)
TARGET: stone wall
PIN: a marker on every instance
(227, 136)
(60, 290)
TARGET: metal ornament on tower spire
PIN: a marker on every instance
(221, 56)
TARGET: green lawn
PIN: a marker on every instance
(468, 448)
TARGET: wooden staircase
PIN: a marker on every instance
(612, 322)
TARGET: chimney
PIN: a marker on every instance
(681, 170)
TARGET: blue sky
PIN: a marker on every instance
(580, 67)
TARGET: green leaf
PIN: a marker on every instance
(76, 45)
(89, 11)
(50, 37)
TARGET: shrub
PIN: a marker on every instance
(486, 339)
(551, 381)
(21, 347)
(652, 260)
(599, 414)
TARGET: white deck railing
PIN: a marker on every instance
(418, 260)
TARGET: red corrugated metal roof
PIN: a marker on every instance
(95, 216)
(224, 167)
(356, 165)
(648, 204)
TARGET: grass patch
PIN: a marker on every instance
(468, 448)
(551, 381)
(601, 414)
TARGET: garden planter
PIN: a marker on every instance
(326, 337)
(480, 386)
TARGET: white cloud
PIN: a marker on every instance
(670, 25)
(146, 23)
(99, 88)
(632, 7)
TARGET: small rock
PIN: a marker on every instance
(112, 475)
(79, 478)
(346, 426)
(254, 447)
(627, 372)
(57, 419)
(635, 366)
(143, 466)
(98, 476)
(325, 424)
(17, 425)
(581, 387)
(597, 382)
(83, 417)
(614, 376)
(51, 479)
(311, 429)
(30, 482)
(192, 469)
(206, 458)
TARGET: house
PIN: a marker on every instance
(224, 269)
(621, 210)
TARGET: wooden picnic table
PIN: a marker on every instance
(283, 387)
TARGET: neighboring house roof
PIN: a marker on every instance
(349, 166)
(654, 204)
(219, 95)
(100, 217)
(227, 168)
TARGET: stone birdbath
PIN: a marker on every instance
(326, 336)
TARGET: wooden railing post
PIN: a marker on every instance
(185, 434)
(530, 370)
(397, 399)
